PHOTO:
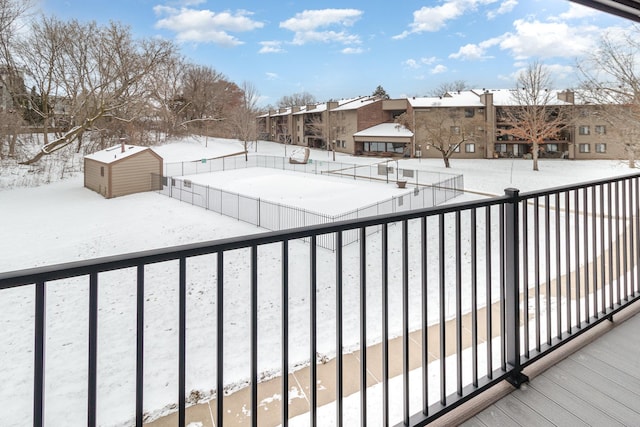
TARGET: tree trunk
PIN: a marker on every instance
(534, 155)
(446, 161)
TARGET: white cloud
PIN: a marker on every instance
(418, 63)
(577, 11)
(204, 25)
(325, 37)
(306, 26)
(310, 20)
(548, 39)
(273, 46)
(438, 69)
(352, 50)
(431, 19)
(505, 7)
(272, 76)
(474, 52)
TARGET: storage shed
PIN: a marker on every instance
(121, 170)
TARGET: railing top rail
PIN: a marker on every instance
(568, 187)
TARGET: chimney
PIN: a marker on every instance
(122, 140)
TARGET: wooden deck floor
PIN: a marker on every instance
(598, 385)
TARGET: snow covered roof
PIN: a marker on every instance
(505, 97)
(354, 104)
(386, 130)
(458, 99)
(115, 153)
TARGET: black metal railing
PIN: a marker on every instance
(490, 286)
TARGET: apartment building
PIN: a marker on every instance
(476, 123)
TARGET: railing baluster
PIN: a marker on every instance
(425, 318)
(140, 346)
(558, 272)
(254, 336)
(182, 342)
(474, 297)
(585, 232)
(617, 241)
(313, 381)
(567, 244)
(547, 265)
(363, 326)
(458, 255)
(536, 263)
(624, 240)
(339, 329)
(603, 257)
(405, 323)
(488, 302)
(594, 250)
(385, 324)
(442, 284)
(38, 354)
(503, 354)
(220, 338)
(636, 237)
(576, 204)
(525, 275)
(92, 390)
(285, 333)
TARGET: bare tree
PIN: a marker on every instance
(10, 124)
(440, 128)
(534, 112)
(610, 80)
(448, 87)
(243, 119)
(95, 73)
(296, 99)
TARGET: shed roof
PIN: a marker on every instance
(115, 153)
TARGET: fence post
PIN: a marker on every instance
(512, 291)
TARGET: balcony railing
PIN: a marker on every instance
(505, 281)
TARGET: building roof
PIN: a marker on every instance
(504, 98)
(354, 104)
(115, 153)
(465, 98)
(390, 130)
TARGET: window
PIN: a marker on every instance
(470, 147)
(584, 130)
(600, 129)
(584, 148)
(187, 183)
(551, 147)
(101, 170)
(601, 148)
(469, 112)
(455, 130)
(457, 149)
(501, 148)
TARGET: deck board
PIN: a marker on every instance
(596, 386)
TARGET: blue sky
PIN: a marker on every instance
(341, 49)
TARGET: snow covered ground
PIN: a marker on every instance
(62, 221)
